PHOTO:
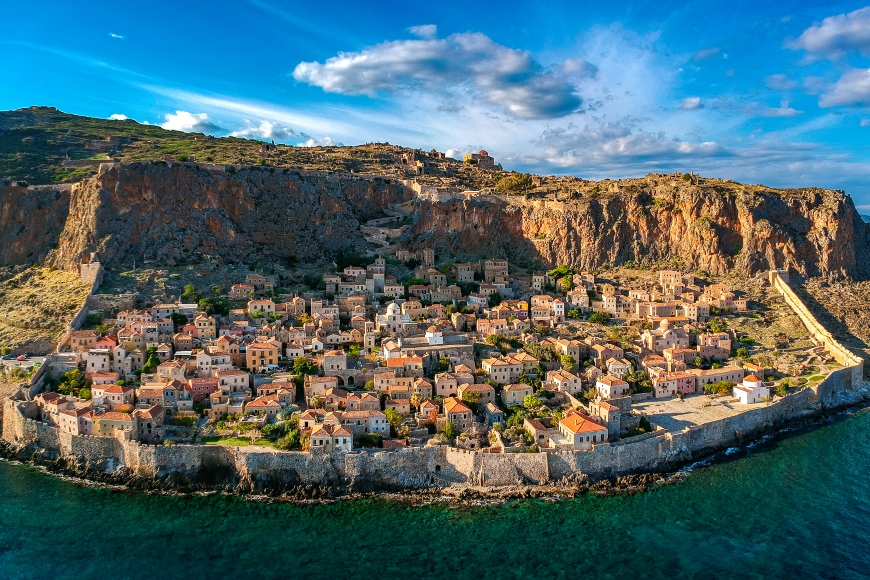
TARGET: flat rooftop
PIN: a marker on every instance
(675, 415)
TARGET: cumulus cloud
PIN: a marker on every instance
(118, 117)
(267, 131)
(614, 142)
(579, 67)
(853, 88)
(424, 30)
(461, 63)
(690, 103)
(191, 123)
(324, 142)
(836, 36)
(780, 82)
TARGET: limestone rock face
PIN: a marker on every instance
(816, 232)
(168, 213)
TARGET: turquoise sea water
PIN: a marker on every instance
(795, 507)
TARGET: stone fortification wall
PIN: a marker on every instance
(411, 468)
(259, 469)
(840, 353)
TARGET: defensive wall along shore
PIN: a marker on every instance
(255, 469)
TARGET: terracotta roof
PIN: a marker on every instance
(577, 423)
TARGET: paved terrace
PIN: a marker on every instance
(675, 414)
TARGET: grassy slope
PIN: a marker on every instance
(35, 142)
(37, 303)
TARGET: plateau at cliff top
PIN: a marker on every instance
(252, 202)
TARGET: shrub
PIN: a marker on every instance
(599, 317)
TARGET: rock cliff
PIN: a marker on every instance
(186, 212)
(172, 213)
(708, 225)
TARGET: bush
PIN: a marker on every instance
(599, 317)
(183, 421)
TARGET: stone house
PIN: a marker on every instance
(731, 374)
(457, 413)
(486, 392)
(563, 382)
(582, 431)
(259, 355)
(539, 433)
(83, 340)
(611, 387)
(513, 395)
(266, 404)
(329, 438)
(673, 383)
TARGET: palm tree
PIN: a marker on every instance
(416, 400)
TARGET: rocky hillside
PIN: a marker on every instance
(185, 213)
(700, 224)
(255, 203)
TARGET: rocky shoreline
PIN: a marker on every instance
(461, 494)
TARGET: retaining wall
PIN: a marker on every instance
(840, 353)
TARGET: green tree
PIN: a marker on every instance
(531, 402)
(514, 183)
(395, 419)
(449, 430)
(443, 363)
(353, 351)
(566, 283)
(74, 383)
(219, 305)
(568, 362)
(561, 272)
(416, 400)
(5, 350)
(191, 294)
(289, 441)
(303, 366)
(573, 313)
(698, 361)
(472, 400)
(742, 352)
(494, 299)
(369, 386)
(599, 317)
(178, 320)
(151, 364)
(256, 314)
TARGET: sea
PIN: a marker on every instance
(795, 506)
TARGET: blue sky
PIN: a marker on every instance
(773, 93)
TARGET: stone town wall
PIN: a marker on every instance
(412, 468)
(418, 467)
(842, 354)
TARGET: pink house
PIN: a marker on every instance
(672, 384)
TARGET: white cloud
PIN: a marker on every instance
(853, 88)
(780, 82)
(324, 142)
(191, 123)
(836, 36)
(784, 110)
(690, 103)
(865, 122)
(118, 36)
(706, 53)
(609, 143)
(267, 131)
(424, 31)
(118, 117)
(459, 65)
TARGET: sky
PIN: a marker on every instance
(759, 92)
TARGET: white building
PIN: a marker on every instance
(751, 390)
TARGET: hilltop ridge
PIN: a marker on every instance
(131, 192)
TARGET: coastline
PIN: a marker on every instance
(454, 494)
